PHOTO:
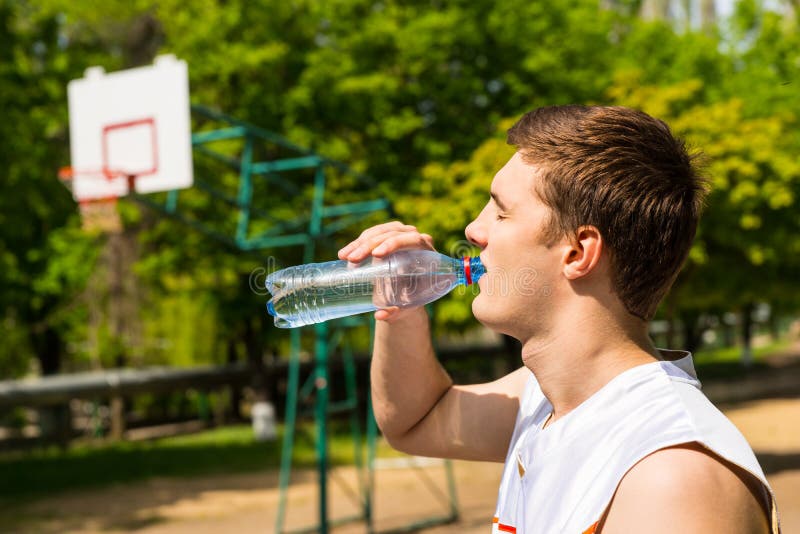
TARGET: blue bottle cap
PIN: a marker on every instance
(477, 269)
(270, 308)
(471, 269)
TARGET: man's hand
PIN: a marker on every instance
(380, 241)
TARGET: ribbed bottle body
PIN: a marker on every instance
(317, 292)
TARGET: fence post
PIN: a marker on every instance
(117, 417)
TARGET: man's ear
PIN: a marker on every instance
(583, 253)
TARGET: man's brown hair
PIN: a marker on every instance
(622, 171)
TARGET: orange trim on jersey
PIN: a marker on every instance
(504, 528)
(509, 528)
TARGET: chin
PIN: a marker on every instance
(483, 313)
(499, 318)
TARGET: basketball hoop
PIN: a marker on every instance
(127, 128)
(97, 214)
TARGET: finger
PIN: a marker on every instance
(387, 314)
(347, 249)
(401, 241)
(384, 227)
(374, 234)
(365, 246)
(394, 226)
(396, 240)
(370, 233)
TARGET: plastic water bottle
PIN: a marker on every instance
(317, 292)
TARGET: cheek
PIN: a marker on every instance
(526, 280)
(530, 273)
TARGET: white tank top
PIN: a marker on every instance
(561, 479)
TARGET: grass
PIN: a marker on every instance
(32, 474)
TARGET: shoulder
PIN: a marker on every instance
(686, 488)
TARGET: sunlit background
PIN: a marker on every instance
(140, 375)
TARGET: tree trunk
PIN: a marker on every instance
(774, 326)
(655, 10)
(48, 346)
(55, 422)
(123, 298)
(692, 332)
(254, 351)
(729, 335)
(236, 393)
(708, 15)
(747, 334)
(794, 6)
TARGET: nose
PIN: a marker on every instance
(476, 233)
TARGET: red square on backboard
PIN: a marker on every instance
(130, 148)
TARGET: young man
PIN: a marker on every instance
(584, 232)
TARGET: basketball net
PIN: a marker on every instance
(98, 215)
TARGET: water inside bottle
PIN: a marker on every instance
(340, 298)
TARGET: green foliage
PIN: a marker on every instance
(34, 70)
(416, 95)
(186, 333)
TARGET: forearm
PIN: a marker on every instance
(407, 379)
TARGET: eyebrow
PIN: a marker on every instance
(498, 201)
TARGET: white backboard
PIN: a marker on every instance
(133, 122)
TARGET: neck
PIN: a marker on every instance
(576, 358)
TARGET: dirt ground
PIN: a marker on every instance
(248, 503)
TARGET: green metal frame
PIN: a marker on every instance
(302, 231)
(322, 222)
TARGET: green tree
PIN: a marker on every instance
(34, 70)
(408, 92)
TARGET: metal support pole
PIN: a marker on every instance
(171, 203)
(293, 383)
(245, 192)
(351, 386)
(451, 487)
(321, 416)
(321, 360)
(371, 431)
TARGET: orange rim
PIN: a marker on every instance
(67, 175)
